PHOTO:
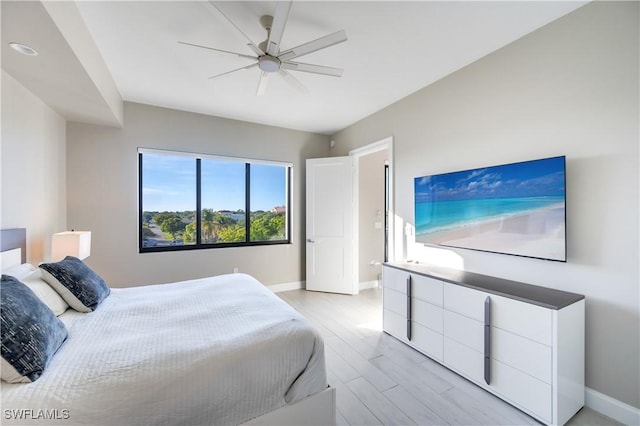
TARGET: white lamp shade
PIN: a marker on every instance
(70, 243)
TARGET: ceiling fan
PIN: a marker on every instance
(268, 56)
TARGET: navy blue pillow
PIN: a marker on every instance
(78, 285)
(31, 332)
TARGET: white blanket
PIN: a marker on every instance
(219, 350)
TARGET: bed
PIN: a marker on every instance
(219, 350)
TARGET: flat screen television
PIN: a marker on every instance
(516, 209)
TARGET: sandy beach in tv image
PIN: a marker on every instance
(514, 209)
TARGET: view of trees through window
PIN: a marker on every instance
(228, 188)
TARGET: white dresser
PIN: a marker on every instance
(521, 342)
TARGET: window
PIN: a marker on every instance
(190, 201)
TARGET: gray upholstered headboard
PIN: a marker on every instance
(14, 238)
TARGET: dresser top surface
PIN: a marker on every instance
(537, 295)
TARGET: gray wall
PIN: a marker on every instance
(102, 171)
(570, 88)
(33, 168)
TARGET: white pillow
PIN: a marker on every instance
(45, 292)
(19, 271)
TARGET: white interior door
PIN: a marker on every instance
(330, 239)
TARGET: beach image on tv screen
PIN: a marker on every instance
(516, 209)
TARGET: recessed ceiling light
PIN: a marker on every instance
(24, 49)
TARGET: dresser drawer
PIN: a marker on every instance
(464, 360)
(532, 358)
(465, 301)
(422, 312)
(427, 341)
(394, 324)
(530, 393)
(464, 330)
(513, 385)
(423, 339)
(524, 319)
(427, 289)
(394, 301)
(427, 315)
(394, 279)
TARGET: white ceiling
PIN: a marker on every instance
(393, 49)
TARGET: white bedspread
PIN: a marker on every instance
(213, 351)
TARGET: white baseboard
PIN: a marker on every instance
(611, 407)
(277, 288)
(368, 284)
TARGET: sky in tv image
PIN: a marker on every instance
(514, 208)
(527, 179)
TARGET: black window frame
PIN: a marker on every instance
(199, 245)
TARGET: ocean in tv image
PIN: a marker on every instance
(514, 208)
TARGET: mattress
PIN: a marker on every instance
(220, 350)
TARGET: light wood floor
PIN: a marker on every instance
(380, 380)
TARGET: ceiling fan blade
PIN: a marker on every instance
(250, 43)
(315, 69)
(293, 82)
(277, 27)
(262, 84)
(237, 69)
(218, 50)
(312, 46)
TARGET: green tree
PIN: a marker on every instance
(278, 223)
(267, 226)
(189, 235)
(207, 225)
(222, 221)
(147, 232)
(187, 216)
(173, 226)
(147, 217)
(160, 218)
(216, 224)
(232, 233)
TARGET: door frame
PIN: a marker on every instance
(386, 143)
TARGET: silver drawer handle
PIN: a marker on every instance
(487, 340)
(409, 307)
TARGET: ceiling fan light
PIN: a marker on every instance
(268, 63)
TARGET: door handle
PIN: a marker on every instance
(309, 240)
